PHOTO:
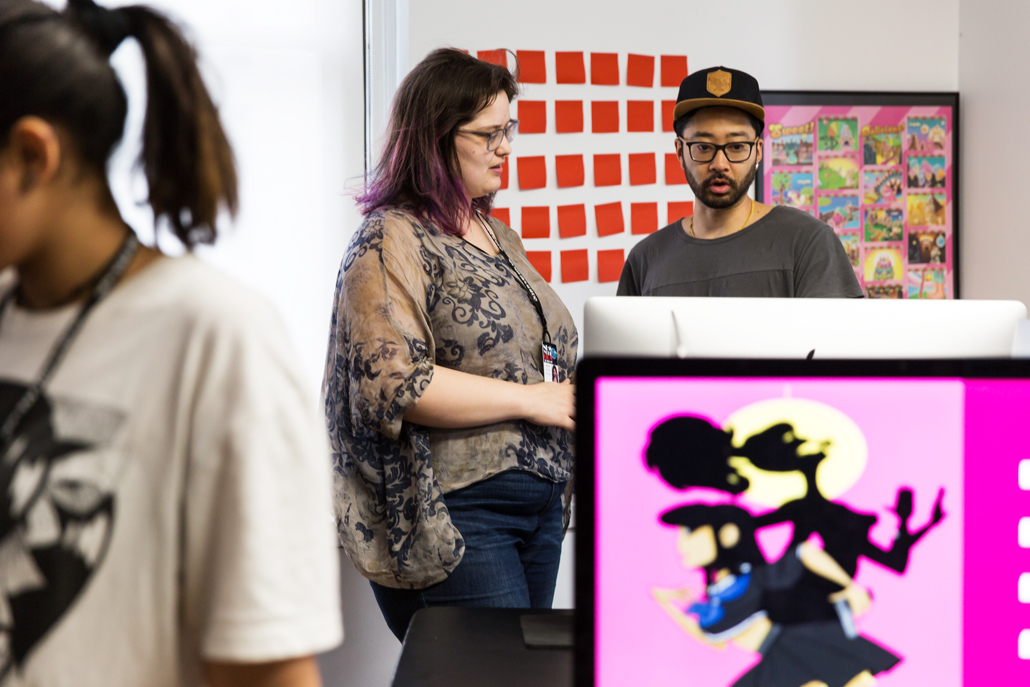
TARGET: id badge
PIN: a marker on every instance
(550, 357)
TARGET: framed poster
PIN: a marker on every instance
(882, 170)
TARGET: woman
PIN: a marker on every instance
(721, 541)
(452, 453)
(162, 487)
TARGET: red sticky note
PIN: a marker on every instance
(609, 219)
(541, 262)
(503, 214)
(674, 174)
(674, 69)
(640, 115)
(568, 116)
(569, 67)
(569, 169)
(641, 169)
(643, 218)
(574, 266)
(605, 116)
(532, 117)
(667, 107)
(536, 223)
(572, 221)
(609, 264)
(531, 66)
(499, 57)
(640, 70)
(532, 172)
(607, 170)
(680, 209)
(604, 68)
(504, 175)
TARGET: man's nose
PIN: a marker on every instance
(720, 161)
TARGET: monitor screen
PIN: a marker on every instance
(792, 525)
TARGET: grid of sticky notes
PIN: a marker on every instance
(593, 169)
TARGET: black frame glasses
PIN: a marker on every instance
(724, 148)
(493, 138)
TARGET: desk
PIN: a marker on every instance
(473, 647)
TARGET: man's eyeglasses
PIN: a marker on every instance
(493, 138)
(735, 151)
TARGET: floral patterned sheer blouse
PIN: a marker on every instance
(410, 297)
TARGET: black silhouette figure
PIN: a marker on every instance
(691, 452)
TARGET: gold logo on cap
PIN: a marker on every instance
(719, 83)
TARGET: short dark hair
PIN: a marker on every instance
(756, 123)
(419, 161)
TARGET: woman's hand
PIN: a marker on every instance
(551, 405)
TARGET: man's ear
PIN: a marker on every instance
(758, 152)
(35, 150)
(680, 152)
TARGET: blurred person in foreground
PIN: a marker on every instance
(164, 490)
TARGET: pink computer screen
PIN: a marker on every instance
(911, 487)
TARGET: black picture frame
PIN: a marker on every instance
(839, 99)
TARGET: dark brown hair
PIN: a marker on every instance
(419, 162)
(55, 66)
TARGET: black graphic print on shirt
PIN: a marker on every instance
(57, 512)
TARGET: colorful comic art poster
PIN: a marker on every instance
(926, 172)
(926, 134)
(838, 134)
(883, 264)
(926, 209)
(837, 173)
(840, 212)
(881, 145)
(881, 176)
(793, 188)
(926, 283)
(792, 146)
(852, 242)
(927, 247)
(884, 291)
(884, 224)
(883, 186)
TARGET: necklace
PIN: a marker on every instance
(750, 214)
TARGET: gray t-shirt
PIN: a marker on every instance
(786, 254)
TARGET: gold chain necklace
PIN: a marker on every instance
(750, 214)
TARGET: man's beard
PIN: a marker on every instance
(721, 202)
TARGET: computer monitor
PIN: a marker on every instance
(712, 492)
(799, 327)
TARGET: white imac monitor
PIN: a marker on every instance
(799, 328)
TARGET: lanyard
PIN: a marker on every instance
(112, 273)
(523, 282)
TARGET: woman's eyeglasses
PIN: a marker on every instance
(493, 138)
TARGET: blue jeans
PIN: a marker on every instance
(512, 527)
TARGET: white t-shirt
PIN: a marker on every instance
(169, 501)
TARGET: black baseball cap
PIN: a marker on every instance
(719, 87)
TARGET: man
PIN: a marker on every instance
(732, 245)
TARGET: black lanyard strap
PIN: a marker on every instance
(112, 273)
(521, 279)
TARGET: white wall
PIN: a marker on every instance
(995, 239)
(787, 45)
